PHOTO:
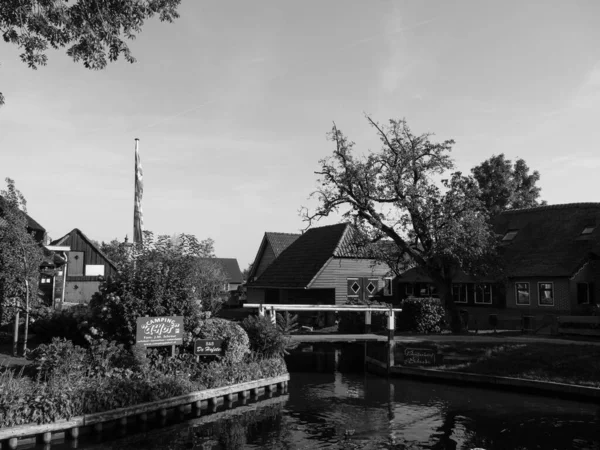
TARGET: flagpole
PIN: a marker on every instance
(138, 217)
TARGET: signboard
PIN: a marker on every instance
(419, 357)
(159, 331)
(204, 347)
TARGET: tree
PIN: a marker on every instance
(162, 276)
(20, 259)
(506, 186)
(392, 195)
(246, 271)
(93, 31)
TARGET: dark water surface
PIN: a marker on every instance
(332, 404)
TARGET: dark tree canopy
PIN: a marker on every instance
(506, 186)
(94, 31)
(395, 194)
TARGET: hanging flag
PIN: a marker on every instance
(138, 217)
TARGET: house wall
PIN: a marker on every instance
(80, 292)
(266, 259)
(590, 273)
(562, 301)
(335, 273)
(255, 295)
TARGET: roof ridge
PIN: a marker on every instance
(556, 206)
(280, 232)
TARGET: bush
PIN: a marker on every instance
(354, 322)
(60, 358)
(266, 339)
(236, 341)
(422, 315)
(223, 373)
(69, 324)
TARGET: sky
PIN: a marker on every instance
(232, 103)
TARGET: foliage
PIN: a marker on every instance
(354, 322)
(506, 186)
(162, 277)
(59, 358)
(266, 339)
(288, 323)
(222, 373)
(94, 32)
(422, 315)
(235, 339)
(68, 323)
(20, 255)
(393, 196)
(209, 279)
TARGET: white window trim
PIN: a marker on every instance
(553, 293)
(587, 291)
(460, 297)
(517, 294)
(391, 292)
(480, 302)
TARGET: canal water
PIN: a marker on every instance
(331, 403)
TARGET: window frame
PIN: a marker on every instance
(510, 235)
(587, 230)
(517, 293)
(461, 299)
(387, 280)
(551, 283)
(478, 289)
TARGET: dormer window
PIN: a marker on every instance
(588, 230)
(510, 235)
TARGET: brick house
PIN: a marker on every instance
(551, 257)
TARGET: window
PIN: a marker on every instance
(588, 230)
(583, 293)
(459, 294)
(387, 287)
(45, 280)
(410, 290)
(510, 235)
(483, 294)
(94, 270)
(546, 294)
(423, 290)
(522, 293)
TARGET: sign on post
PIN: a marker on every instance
(159, 331)
(205, 347)
(419, 357)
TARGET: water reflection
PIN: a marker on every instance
(333, 404)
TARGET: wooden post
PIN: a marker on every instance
(273, 316)
(391, 325)
(367, 321)
(261, 311)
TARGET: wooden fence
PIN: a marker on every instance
(582, 325)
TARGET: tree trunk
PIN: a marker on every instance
(457, 324)
(26, 332)
(16, 334)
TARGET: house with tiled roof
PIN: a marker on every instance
(272, 245)
(320, 266)
(86, 267)
(551, 265)
(231, 269)
(33, 227)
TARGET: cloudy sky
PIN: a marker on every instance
(232, 102)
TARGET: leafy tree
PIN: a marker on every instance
(393, 195)
(246, 272)
(20, 259)
(163, 276)
(93, 31)
(506, 186)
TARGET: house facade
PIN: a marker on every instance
(320, 266)
(86, 267)
(551, 264)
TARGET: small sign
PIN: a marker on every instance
(204, 347)
(419, 357)
(159, 331)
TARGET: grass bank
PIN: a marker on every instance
(566, 363)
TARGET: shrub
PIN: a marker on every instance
(222, 373)
(354, 322)
(287, 323)
(60, 357)
(236, 341)
(68, 323)
(422, 315)
(265, 338)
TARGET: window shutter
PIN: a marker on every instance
(370, 287)
(355, 288)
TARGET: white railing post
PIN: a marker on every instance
(367, 321)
